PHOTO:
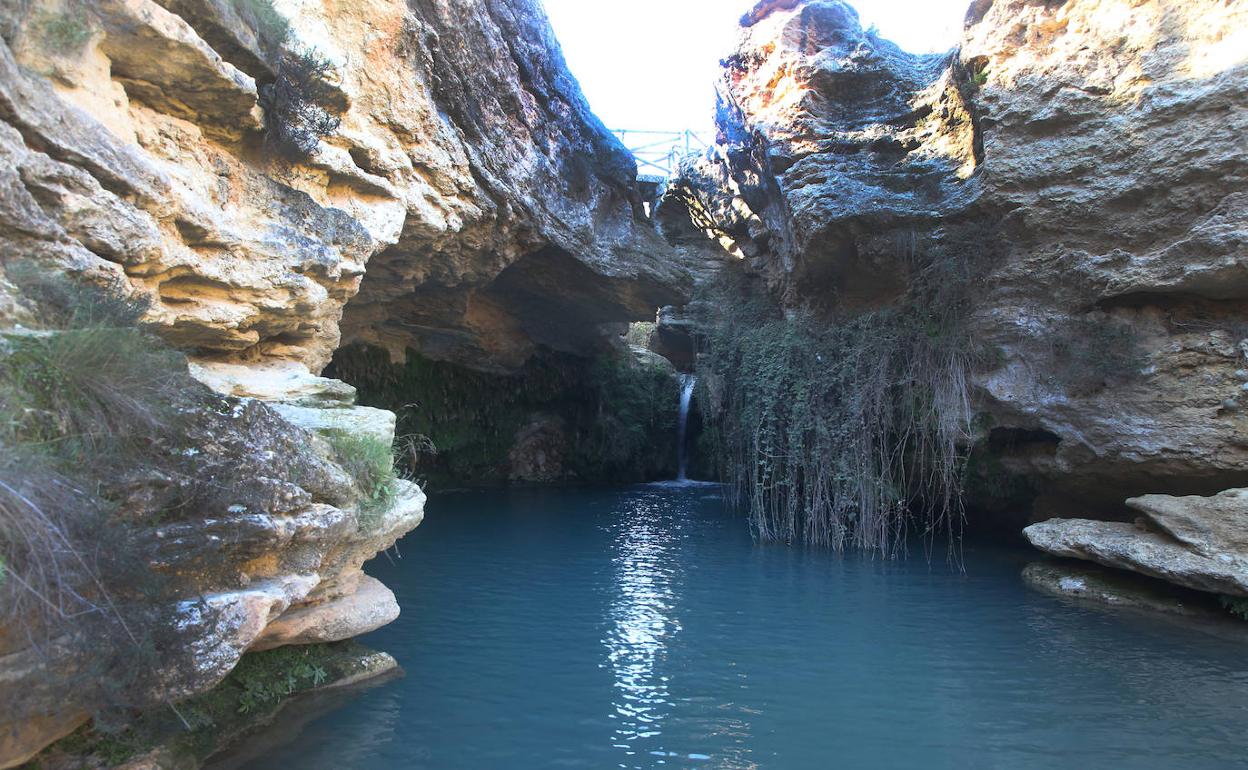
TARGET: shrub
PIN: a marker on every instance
(370, 463)
(296, 106)
(103, 435)
(96, 419)
(639, 333)
(78, 403)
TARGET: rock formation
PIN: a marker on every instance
(1083, 161)
(1195, 542)
(466, 162)
(466, 204)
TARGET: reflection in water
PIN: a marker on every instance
(642, 622)
(290, 726)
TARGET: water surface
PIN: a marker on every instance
(641, 627)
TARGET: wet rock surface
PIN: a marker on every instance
(1090, 583)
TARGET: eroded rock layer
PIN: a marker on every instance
(1191, 541)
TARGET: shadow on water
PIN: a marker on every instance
(287, 726)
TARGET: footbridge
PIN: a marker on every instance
(659, 154)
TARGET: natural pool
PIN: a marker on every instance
(641, 627)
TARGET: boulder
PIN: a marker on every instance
(1210, 526)
(1135, 547)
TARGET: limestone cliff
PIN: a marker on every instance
(455, 197)
(1085, 161)
(467, 171)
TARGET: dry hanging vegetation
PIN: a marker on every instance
(80, 400)
(845, 432)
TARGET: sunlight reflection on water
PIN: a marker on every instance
(642, 623)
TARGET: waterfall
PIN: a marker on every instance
(687, 381)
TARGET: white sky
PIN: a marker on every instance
(651, 64)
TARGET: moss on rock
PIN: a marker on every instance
(617, 417)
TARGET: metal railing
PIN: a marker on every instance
(659, 153)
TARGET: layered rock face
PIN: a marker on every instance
(466, 162)
(1083, 160)
(466, 205)
(249, 533)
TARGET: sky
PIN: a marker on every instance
(651, 64)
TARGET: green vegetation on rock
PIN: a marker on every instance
(271, 26)
(64, 32)
(104, 436)
(835, 428)
(86, 401)
(193, 729)
(297, 106)
(1237, 606)
(370, 463)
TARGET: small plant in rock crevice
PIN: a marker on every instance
(299, 102)
(370, 463)
(297, 106)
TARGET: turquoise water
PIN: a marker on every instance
(640, 628)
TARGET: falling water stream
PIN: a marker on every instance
(687, 383)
